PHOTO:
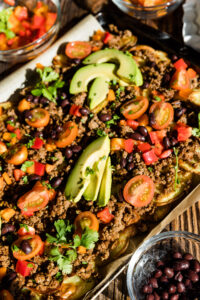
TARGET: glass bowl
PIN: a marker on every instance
(142, 263)
(33, 49)
(147, 12)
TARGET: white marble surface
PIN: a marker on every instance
(191, 24)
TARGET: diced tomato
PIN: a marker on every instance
(153, 137)
(18, 133)
(26, 24)
(38, 143)
(26, 230)
(38, 22)
(24, 267)
(10, 127)
(149, 157)
(18, 174)
(129, 145)
(180, 64)
(166, 153)
(180, 80)
(50, 20)
(158, 149)
(143, 147)
(105, 216)
(191, 73)
(184, 132)
(27, 213)
(107, 38)
(74, 110)
(39, 168)
(132, 123)
(21, 13)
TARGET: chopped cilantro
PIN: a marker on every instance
(63, 230)
(88, 238)
(112, 121)
(100, 132)
(24, 226)
(30, 265)
(84, 262)
(113, 82)
(91, 115)
(46, 184)
(157, 98)
(12, 134)
(5, 25)
(25, 179)
(15, 248)
(59, 276)
(150, 169)
(26, 165)
(118, 92)
(130, 112)
(30, 143)
(10, 123)
(89, 171)
(1, 168)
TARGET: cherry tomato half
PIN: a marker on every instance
(68, 135)
(164, 114)
(39, 118)
(134, 109)
(86, 219)
(139, 191)
(180, 80)
(25, 229)
(17, 155)
(35, 242)
(78, 49)
(35, 199)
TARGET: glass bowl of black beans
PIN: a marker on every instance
(167, 266)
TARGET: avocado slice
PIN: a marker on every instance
(86, 74)
(127, 70)
(105, 189)
(80, 176)
(98, 92)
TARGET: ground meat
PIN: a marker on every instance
(79, 99)
(59, 208)
(4, 256)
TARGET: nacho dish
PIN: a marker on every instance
(97, 149)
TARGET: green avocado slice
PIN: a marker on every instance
(80, 176)
(98, 92)
(105, 189)
(127, 70)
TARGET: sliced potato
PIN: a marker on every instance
(73, 288)
(165, 197)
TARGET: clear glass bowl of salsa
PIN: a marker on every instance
(31, 29)
(147, 9)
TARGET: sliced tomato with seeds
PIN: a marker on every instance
(135, 108)
(180, 80)
(35, 242)
(68, 135)
(164, 114)
(39, 117)
(78, 49)
(139, 191)
(86, 219)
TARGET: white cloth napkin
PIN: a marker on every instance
(191, 23)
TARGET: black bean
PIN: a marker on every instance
(120, 196)
(53, 134)
(164, 279)
(166, 142)
(195, 265)
(176, 255)
(11, 119)
(145, 85)
(172, 289)
(84, 111)
(34, 177)
(28, 114)
(7, 228)
(123, 162)
(29, 98)
(59, 129)
(175, 134)
(156, 296)
(25, 246)
(138, 137)
(169, 272)
(179, 111)
(130, 166)
(174, 57)
(44, 100)
(159, 263)
(105, 117)
(68, 153)
(130, 157)
(178, 277)
(187, 282)
(56, 182)
(142, 130)
(148, 138)
(150, 297)
(153, 282)
(76, 148)
(165, 296)
(152, 119)
(166, 78)
(8, 278)
(64, 103)
(180, 287)
(152, 64)
(38, 134)
(173, 141)
(181, 265)
(147, 289)
(36, 100)
(174, 297)
(193, 276)
(188, 256)
(158, 274)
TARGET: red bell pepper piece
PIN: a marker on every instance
(24, 267)
(107, 38)
(105, 216)
(180, 80)
(38, 22)
(10, 127)
(143, 147)
(27, 213)
(50, 20)
(132, 123)
(129, 145)
(149, 157)
(153, 137)
(18, 174)
(180, 64)
(39, 168)
(191, 73)
(183, 132)
(158, 149)
(166, 153)
(38, 143)
(26, 24)
(18, 133)
(74, 110)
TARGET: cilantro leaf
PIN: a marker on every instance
(101, 132)
(88, 238)
(5, 26)
(71, 254)
(26, 165)
(63, 230)
(77, 241)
